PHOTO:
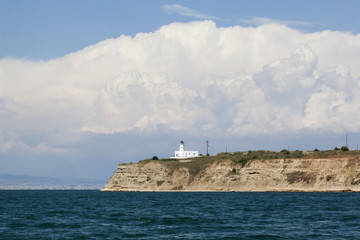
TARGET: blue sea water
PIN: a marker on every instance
(178, 215)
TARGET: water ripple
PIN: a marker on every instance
(121, 215)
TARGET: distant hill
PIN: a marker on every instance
(9, 181)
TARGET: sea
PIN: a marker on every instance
(91, 214)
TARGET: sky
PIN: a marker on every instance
(86, 85)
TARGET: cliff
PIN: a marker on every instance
(334, 171)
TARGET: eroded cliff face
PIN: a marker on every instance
(332, 174)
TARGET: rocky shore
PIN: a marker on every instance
(336, 171)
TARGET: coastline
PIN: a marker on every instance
(339, 172)
(232, 190)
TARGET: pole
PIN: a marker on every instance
(207, 147)
(346, 141)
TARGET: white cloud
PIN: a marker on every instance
(143, 101)
(258, 21)
(181, 10)
(186, 77)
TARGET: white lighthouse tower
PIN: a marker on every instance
(185, 154)
(182, 147)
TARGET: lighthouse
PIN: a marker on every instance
(185, 154)
(182, 147)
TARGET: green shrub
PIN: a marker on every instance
(155, 158)
(329, 177)
(344, 148)
(243, 161)
(316, 150)
(234, 170)
(336, 148)
(285, 151)
(159, 182)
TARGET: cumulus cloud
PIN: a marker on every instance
(135, 100)
(192, 78)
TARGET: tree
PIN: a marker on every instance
(285, 151)
(155, 158)
(344, 148)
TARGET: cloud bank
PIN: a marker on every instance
(192, 78)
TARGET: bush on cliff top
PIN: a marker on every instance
(344, 148)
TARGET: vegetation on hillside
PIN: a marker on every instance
(241, 157)
(197, 164)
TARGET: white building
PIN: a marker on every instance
(185, 154)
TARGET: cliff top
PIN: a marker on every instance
(242, 158)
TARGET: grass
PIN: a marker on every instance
(244, 157)
(333, 154)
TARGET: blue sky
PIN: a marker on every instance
(85, 85)
(41, 29)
